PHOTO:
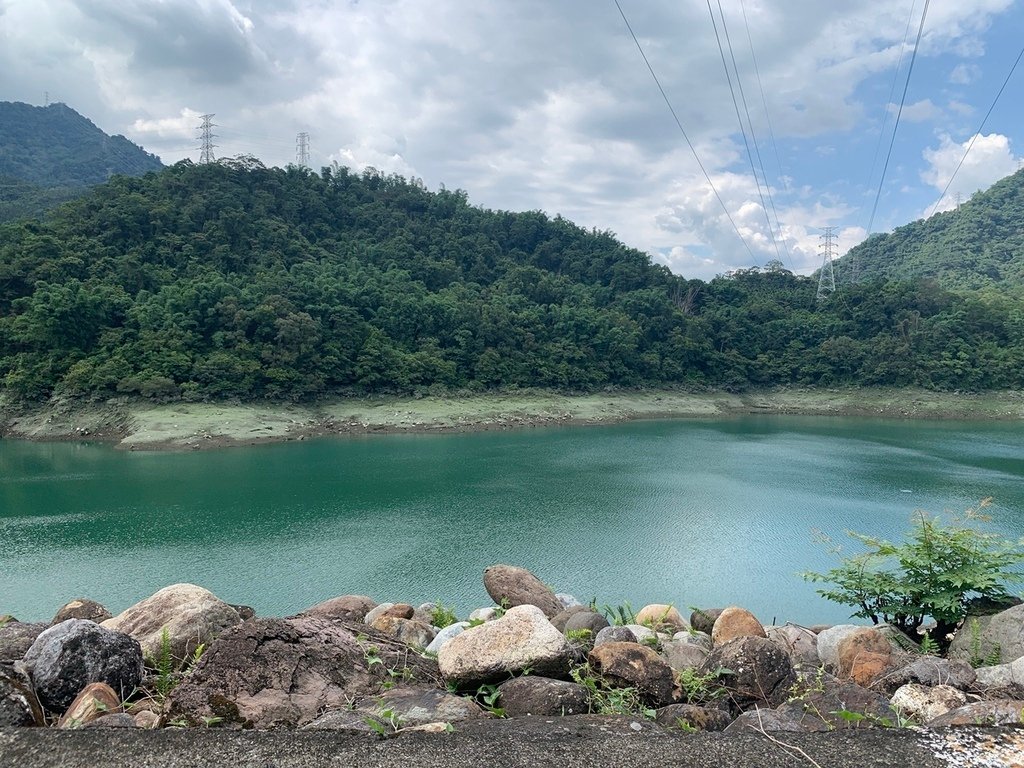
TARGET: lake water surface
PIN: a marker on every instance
(690, 512)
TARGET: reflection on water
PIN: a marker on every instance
(689, 512)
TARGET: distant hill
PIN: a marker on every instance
(49, 155)
(978, 245)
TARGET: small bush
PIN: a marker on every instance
(934, 573)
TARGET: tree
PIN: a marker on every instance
(935, 573)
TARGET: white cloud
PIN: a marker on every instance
(181, 127)
(989, 160)
(918, 112)
(964, 74)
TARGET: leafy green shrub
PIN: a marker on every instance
(442, 616)
(934, 573)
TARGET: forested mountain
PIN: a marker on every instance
(51, 154)
(233, 280)
(979, 244)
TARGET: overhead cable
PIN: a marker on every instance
(899, 113)
(682, 130)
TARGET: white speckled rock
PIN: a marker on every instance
(446, 634)
(923, 703)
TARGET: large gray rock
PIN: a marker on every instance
(269, 673)
(682, 656)
(998, 712)
(586, 620)
(923, 704)
(799, 642)
(703, 619)
(929, 671)
(18, 702)
(190, 615)
(409, 707)
(632, 665)
(999, 637)
(1002, 675)
(759, 672)
(616, 634)
(510, 585)
(521, 639)
(68, 656)
(560, 619)
(16, 637)
(446, 634)
(542, 696)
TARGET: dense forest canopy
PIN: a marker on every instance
(977, 245)
(51, 154)
(234, 280)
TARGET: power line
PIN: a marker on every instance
(771, 132)
(977, 132)
(743, 132)
(682, 130)
(899, 113)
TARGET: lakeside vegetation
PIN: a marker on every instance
(232, 280)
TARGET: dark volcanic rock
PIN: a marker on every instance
(510, 586)
(542, 696)
(67, 657)
(760, 672)
(17, 637)
(266, 673)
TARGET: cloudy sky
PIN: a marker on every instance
(547, 104)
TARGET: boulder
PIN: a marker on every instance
(828, 644)
(647, 636)
(923, 703)
(864, 656)
(566, 600)
(398, 611)
(445, 635)
(146, 719)
(116, 720)
(345, 608)
(244, 612)
(1002, 675)
(490, 613)
(81, 608)
(92, 702)
(269, 673)
(346, 721)
(824, 703)
(521, 639)
(760, 720)
(692, 718)
(999, 637)
(411, 706)
(190, 615)
(542, 696)
(682, 656)
(700, 639)
(593, 622)
(929, 671)
(733, 623)
(378, 610)
(632, 665)
(615, 635)
(759, 672)
(998, 712)
(703, 619)
(662, 618)
(798, 642)
(560, 619)
(18, 702)
(16, 637)
(67, 657)
(510, 585)
(413, 633)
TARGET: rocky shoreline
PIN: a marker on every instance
(135, 425)
(184, 659)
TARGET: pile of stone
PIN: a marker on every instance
(183, 657)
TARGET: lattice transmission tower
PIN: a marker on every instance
(206, 137)
(827, 275)
(302, 150)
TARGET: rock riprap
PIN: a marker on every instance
(521, 639)
(631, 665)
(189, 615)
(68, 656)
(759, 671)
(733, 623)
(542, 696)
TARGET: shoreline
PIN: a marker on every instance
(137, 425)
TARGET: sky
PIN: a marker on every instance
(549, 105)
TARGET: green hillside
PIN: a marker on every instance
(977, 245)
(230, 280)
(51, 154)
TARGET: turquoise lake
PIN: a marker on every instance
(696, 513)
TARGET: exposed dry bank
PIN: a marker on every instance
(179, 426)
